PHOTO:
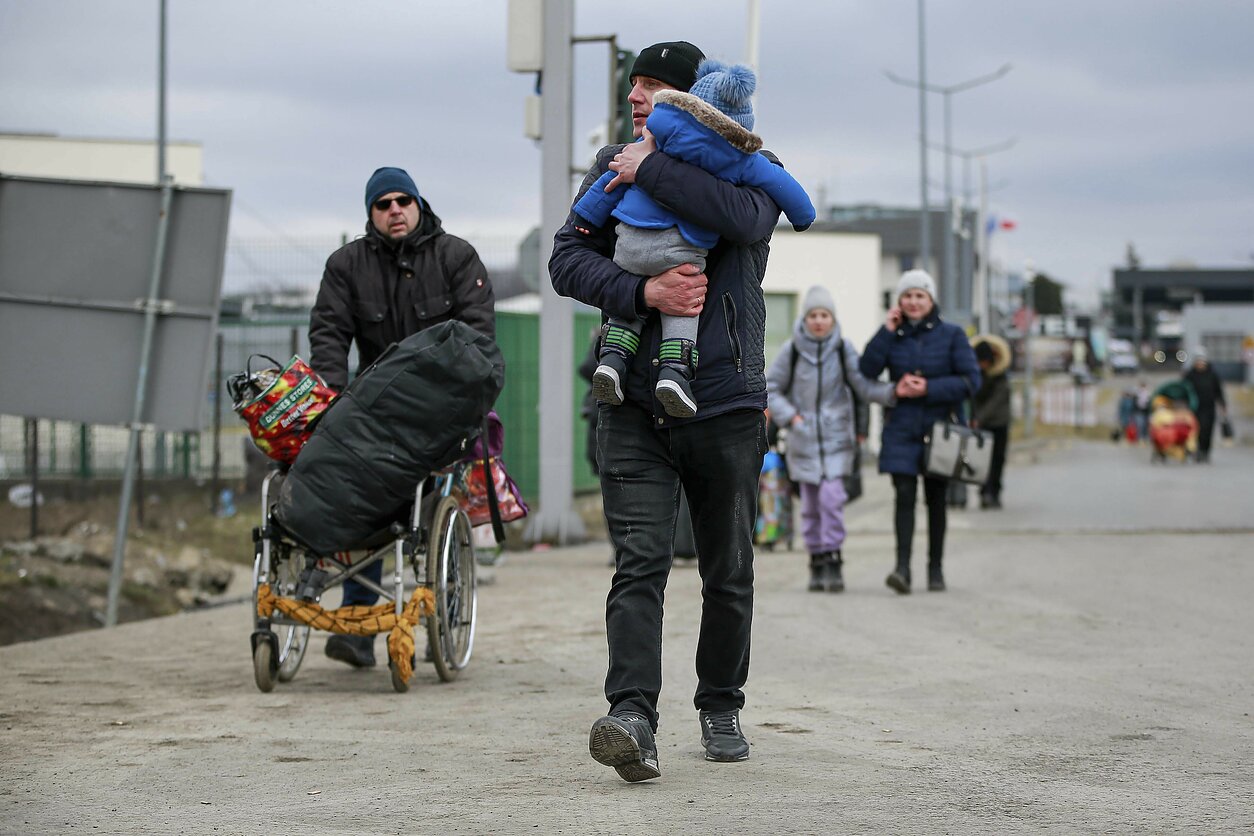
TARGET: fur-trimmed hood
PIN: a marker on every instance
(1000, 347)
(712, 118)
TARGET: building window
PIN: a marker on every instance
(781, 312)
(1223, 348)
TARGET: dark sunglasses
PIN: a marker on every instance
(385, 203)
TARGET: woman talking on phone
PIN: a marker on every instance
(934, 370)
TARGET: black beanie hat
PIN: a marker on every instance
(672, 62)
(985, 352)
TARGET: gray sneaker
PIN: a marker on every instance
(722, 738)
(607, 380)
(674, 392)
(625, 742)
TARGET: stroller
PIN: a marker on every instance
(1173, 423)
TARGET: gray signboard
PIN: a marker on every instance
(75, 266)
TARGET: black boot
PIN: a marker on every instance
(935, 577)
(899, 579)
(357, 651)
(834, 581)
(818, 572)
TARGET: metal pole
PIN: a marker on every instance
(923, 88)
(139, 481)
(752, 32)
(555, 519)
(925, 232)
(981, 235)
(161, 98)
(948, 280)
(612, 100)
(32, 445)
(1029, 303)
(137, 412)
(216, 477)
(979, 290)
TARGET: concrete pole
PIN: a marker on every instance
(555, 521)
(949, 285)
(925, 232)
(753, 33)
(983, 291)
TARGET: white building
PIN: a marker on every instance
(846, 263)
(113, 160)
(1227, 334)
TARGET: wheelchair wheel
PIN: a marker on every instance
(293, 639)
(451, 574)
(263, 673)
(399, 685)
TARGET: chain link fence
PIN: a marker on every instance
(269, 287)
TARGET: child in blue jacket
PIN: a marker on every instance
(710, 127)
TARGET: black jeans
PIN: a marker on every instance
(907, 488)
(992, 487)
(717, 460)
(1205, 431)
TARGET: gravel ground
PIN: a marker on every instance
(1088, 671)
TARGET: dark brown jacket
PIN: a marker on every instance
(376, 293)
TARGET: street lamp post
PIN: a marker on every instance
(979, 290)
(949, 268)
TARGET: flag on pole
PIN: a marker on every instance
(995, 223)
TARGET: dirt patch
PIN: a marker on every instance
(180, 557)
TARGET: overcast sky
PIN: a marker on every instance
(1134, 119)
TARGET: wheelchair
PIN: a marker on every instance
(433, 538)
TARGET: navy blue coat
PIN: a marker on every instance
(932, 349)
(731, 372)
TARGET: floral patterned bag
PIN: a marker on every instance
(279, 404)
(473, 479)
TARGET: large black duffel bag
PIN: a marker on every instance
(416, 410)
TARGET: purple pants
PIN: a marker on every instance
(823, 515)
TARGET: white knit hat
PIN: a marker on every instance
(818, 297)
(912, 279)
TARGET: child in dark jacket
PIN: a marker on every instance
(710, 127)
(992, 410)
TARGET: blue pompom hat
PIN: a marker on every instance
(728, 88)
(388, 179)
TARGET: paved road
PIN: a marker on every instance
(1088, 671)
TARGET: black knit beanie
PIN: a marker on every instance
(672, 62)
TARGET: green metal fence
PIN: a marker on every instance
(68, 449)
(518, 335)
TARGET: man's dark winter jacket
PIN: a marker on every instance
(1209, 389)
(937, 351)
(379, 293)
(732, 328)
